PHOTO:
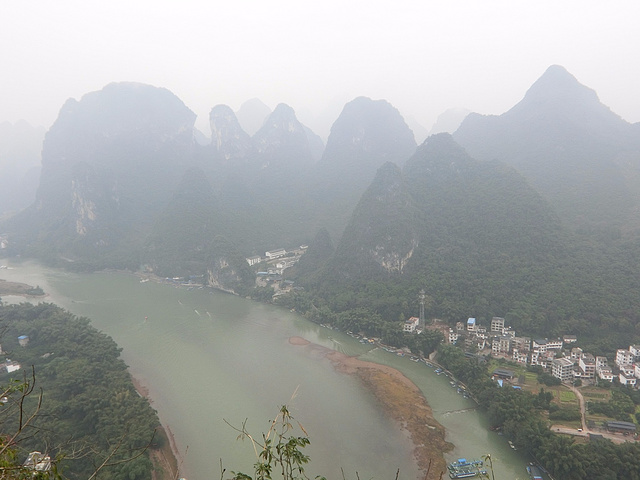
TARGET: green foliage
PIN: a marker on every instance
(568, 414)
(517, 413)
(90, 412)
(279, 452)
(620, 406)
(35, 291)
(543, 400)
(549, 380)
(484, 244)
(262, 294)
(14, 394)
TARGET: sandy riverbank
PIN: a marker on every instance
(167, 459)
(18, 289)
(402, 400)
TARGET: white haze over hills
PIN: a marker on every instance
(20, 146)
(422, 57)
(449, 121)
(252, 115)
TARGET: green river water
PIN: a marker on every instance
(207, 357)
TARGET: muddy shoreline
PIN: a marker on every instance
(402, 400)
(166, 459)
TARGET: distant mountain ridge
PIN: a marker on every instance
(124, 184)
(458, 227)
(581, 156)
(114, 166)
(367, 134)
(91, 199)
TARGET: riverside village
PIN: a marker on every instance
(557, 357)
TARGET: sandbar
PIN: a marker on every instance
(402, 400)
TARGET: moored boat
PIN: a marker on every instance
(463, 468)
(534, 472)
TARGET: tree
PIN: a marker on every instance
(90, 417)
(14, 396)
(279, 452)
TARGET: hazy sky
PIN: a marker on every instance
(423, 56)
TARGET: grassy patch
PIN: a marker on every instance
(595, 395)
(567, 396)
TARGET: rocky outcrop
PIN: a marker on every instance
(109, 162)
(391, 261)
(228, 139)
(381, 231)
(283, 142)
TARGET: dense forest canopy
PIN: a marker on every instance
(90, 410)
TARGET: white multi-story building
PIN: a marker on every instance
(587, 366)
(534, 357)
(497, 324)
(601, 362)
(562, 368)
(509, 332)
(629, 370)
(471, 325)
(523, 344)
(603, 370)
(555, 344)
(411, 325)
(520, 357)
(277, 253)
(253, 260)
(481, 332)
(576, 353)
(605, 373)
(626, 379)
(546, 359)
(453, 336)
(544, 344)
(501, 345)
(539, 345)
(635, 351)
(623, 357)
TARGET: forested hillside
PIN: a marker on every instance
(574, 150)
(530, 215)
(482, 243)
(90, 410)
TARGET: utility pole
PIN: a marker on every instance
(422, 296)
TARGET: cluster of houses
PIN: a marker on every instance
(9, 365)
(551, 354)
(277, 260)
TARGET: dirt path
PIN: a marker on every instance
(402, 400)
(578, 394)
